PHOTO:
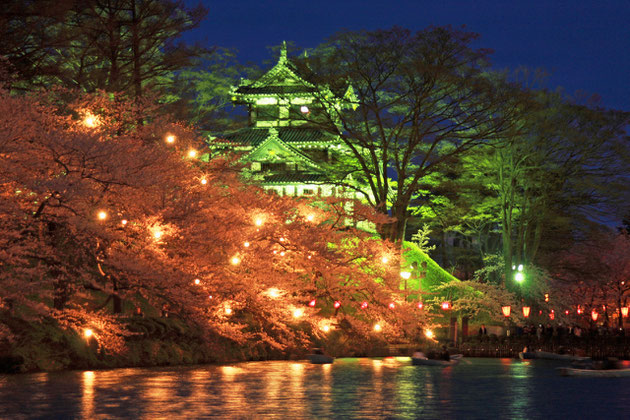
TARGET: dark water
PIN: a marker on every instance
(350, 388)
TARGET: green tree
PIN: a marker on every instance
(568, 167)
(417, 101)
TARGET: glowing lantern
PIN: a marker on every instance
(385, 260)
(157, 234)
(566, 312)
(235, 261)
(228, 311)
(579, 310)
(391, 305)
(197, 281)
(377, 327)
(90, 120)
(102, 215)
(258, 221)
(87, 333)
(123, 222)
(624, 311)
(192, 153)
(546, 297)
(364, 305)
(420, 305)
(337, 304)
(204, 181)
(170, 139)
(428, 333)
(310, 217)
(273, 292)
(526, 310)
(246, 244)
(282, 254)
(446, 306)
(506, 310)
(405, 275)
(297, 313)
(326, 328)
(552, 315)
(312, 303)
(594, 315)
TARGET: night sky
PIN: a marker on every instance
(584, 45)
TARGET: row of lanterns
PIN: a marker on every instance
(526, 310)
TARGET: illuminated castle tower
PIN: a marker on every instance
(282, 147)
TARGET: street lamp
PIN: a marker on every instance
(519, 276)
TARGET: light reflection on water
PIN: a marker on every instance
(350, 388)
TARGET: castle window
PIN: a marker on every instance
(274, 166)
(308, 191)
(268, 112)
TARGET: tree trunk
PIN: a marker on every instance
(135, 47)
(464, 328)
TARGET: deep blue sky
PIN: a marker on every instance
(585, 45)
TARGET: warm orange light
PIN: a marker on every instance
(228, 311)
(326, 328)
(170, 139)
(594, 315)
(87, 333)
(579, 310)
(90, 120)
(273, 292)
(310, 217)
(428, 333)
(546, 297)
(204, 181)
(624, 311)
(297, 313)
(552, 315)
(197, 281)
(258, 221)
(157, 234)
(526, 310)
(384, 260)
(377, 327)
(123, 222)
(506, 310)
(446, 306)
(102, 215)
(192, 153)
(235, 261)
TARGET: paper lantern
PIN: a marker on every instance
(506, 310)
(312, 303)
(526, 310)
(624, 311)
(337, 304)
(446, 306)
(594, 315)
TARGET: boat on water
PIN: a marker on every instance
(550, 356)
(595, 373)
(319, 358)
(424, 361)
